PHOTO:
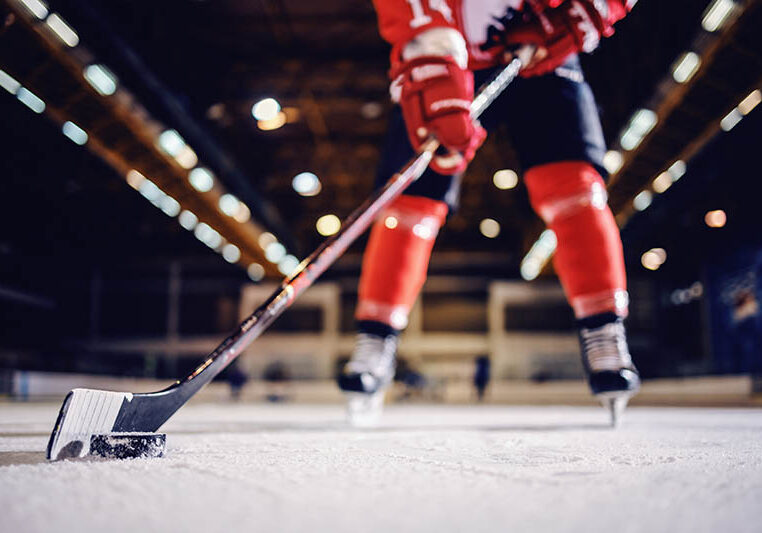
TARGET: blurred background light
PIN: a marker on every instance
(150, 191)
(187, 158)
(306, 184)
(662, 182)
(391, 222)
(685, 67)
(31, 100)
(101, 79)
(64, 32)
(37, 8)
(266, 239)
(731, 120)
(750, 102)
(201, 179)
(613, 161)
(266, 109)
(228, 204)
(171, 142)
(231, 253)
(328, 225)
(274, 252)
(273, 123)
(188, 219)
(677, 170)
(716, 219)
(74, 132)
(653, 258)
(538, 255)
(642, 200)
(169, 205)
(716, 14)
(9, 83)
(256, 272)
(505, 179)
(490, 228)
(134, 179)
(641, 123)
(288, 264)
(243, 214)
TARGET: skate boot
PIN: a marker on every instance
(611, 374)
(366, 377)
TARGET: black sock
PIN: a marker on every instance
(379, 329)
(596, 321)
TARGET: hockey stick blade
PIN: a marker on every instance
(87, 412)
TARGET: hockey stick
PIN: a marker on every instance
(88, 413)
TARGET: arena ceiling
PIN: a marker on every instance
(198, 66)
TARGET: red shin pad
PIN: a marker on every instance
(571, 198)
(397, 258)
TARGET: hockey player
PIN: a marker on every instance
(439, 48)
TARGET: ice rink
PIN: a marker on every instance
(490, 468)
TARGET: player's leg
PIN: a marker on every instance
(394, 269)
(564, 173)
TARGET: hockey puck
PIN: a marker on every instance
(128, 445)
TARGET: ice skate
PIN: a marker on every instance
(367, 376)
(612, 376)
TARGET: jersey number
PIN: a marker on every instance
(420, 18)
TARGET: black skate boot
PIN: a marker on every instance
(366, 377)
(611, 374)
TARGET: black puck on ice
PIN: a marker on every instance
(128, 445)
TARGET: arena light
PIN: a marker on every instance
(266, 109)
(750, 102)
(188, 219)
(134, 179)
(653, 259)
(101, 79)
(306, 184)
(288, 264)
(328, 225)
(613, 161)
(201, 179)
(150, 191)
(256, 272)
(716, 14)
(169, 205)
(538, 256)
(640, 125)
(228, 204)
(274, 252)
(74, 132)
(490, 228)
(187, 158)
(716, 219)
(36, 8)
(243, 214)
(677, 170)
(208, 235)
(505, 179)
(266, 239)
(391, 222)
(662, 182)
(642, 200)
(62, 30)
(31, 100)
(231, 253)
(685, 67)
(272, 124)
(731, 120)
(171, 142)
(8, 83)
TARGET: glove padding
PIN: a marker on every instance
(573, 26)
(435, 95)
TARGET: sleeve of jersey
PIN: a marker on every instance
(399, 21)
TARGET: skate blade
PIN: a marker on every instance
(615, 403)
(364, 410)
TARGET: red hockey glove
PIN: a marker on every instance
(573, 26)
(435, 95)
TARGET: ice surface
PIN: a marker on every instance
(427, 468)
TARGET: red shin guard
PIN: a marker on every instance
(397, 258)
(571, 198)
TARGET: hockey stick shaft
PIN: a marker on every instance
(332, 248)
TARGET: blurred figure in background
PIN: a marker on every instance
(481, 376)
